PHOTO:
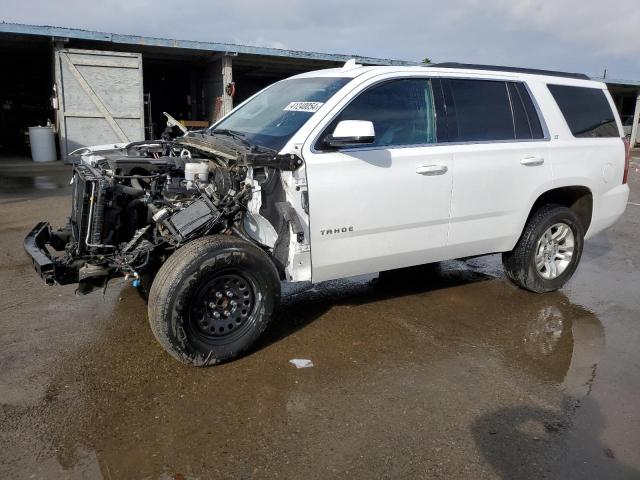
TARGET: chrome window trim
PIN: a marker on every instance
(439, 144)
(543, 123)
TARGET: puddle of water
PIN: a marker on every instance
(379, 350)
(26, 184)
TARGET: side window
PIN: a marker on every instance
(401, 112)
(482, 110)
(586, 111)
(525, 117)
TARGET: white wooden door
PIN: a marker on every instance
(100, 98)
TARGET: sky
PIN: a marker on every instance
(571, 35)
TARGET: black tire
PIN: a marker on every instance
(184, 299)
(519, 264)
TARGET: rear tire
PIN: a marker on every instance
(548, 252)
(212, 299)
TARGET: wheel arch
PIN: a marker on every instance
(577, 198)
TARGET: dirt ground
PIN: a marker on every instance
(438, 372)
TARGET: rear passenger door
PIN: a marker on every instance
(500, 162)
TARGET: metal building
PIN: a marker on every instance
(626, 94)
(100, 88)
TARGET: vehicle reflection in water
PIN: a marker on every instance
(416, 357)
(544, 332)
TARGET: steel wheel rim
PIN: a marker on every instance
(554, 251)
(220, 309)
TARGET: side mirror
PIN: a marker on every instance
(351, 132)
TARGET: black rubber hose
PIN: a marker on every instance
(133, 191)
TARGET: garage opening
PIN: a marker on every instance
(252, 73)
(190, 87)
(194, 87)
(173, 86)
(26, 81)
(625, 99)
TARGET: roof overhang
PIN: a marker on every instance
(63, 34)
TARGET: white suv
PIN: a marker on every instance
(342, 172)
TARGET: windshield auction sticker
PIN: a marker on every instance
(303, 107)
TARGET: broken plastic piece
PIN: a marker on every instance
(301, 362)
(350, 64)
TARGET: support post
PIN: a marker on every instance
(636, 119)
(218, 74)
(227, 79)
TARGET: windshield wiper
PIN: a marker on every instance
(231, 133)
(241, 137)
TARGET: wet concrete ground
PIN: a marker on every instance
(437, 372)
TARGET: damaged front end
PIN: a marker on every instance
(134, 205)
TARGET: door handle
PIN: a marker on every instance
(532, 161)
(431, 170)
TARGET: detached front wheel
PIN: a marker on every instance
(212, 299)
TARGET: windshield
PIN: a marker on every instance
(272, 117)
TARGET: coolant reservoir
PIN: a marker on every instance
(196, 171)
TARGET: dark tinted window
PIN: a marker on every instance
(525, 117)
(401, 112)
(586, 111)
(482, 111)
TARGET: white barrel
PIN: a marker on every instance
(43, 145)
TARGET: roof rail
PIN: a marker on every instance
(497, 68)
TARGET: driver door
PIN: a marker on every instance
(383, 205)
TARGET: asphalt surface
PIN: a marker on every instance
(444, 371)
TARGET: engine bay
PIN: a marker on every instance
(133, 206)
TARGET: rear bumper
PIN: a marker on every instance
(50, 269)
(608, 208)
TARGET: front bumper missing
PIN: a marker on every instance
(49, 268)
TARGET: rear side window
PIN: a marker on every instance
(401, 112)
(482, 110)
(586, 111)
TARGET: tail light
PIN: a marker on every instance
(627, 159)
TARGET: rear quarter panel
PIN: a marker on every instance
(596, 163)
